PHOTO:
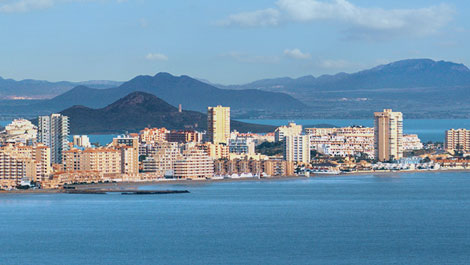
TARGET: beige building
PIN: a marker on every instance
(345, 141)
(388, 135)
(129, 147)
(411, 142)
(165, 157)
(194, 164)
(290, 130)
(457, 140)
(18, 162)
(218, 124)
(153, 135)
(106, 161)
(215, 151)
(297, 149)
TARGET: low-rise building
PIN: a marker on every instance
(195, 163)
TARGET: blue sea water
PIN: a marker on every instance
(427, 130)
(420, 218)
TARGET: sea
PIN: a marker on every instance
(413, 218)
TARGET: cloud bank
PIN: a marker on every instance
(361, 22)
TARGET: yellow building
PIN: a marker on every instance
(388, 135)
(218, 124)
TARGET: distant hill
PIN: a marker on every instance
(191, 93)
(39, 89)
(139, 110)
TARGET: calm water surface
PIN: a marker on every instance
(397, 219)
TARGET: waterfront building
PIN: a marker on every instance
(81, 141)
(291, 129)
(412, 142)
(54, 132)
(388, 135)
(457, 140)
(297, 149)
(20, 162)
(218, 124)
(106, 161)
(129, 147)
(345, 141)
(153, 135)
(240, 167)
(20, 131)
(241, 145)
(195, 163)
(165, 157)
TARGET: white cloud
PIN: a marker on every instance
(359, 21)
(265, 17)
(156, 57)
(297, 54)
(15, 6)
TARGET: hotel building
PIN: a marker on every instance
(297, 149)
(388, 135)
(54, 132)
(218, 124)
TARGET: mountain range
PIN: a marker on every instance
(39, 89)
(139, 110)
(420, 88)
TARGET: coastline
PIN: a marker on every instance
(117, 186)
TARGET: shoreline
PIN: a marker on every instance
(117, 186)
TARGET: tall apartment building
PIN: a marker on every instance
(297, 148)
(290, 130)
(194, 164)
(388, 135)
(53, 131)
(457, 140)
(129, 147)
(218, 124)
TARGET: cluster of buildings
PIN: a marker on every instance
(45, 155)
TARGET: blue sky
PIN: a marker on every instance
(223, 41)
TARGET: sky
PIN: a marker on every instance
(223, 41)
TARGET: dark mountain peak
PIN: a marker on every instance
(142, 101)
(420, 65)
(164, 75)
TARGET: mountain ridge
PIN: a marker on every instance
(138, 110)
